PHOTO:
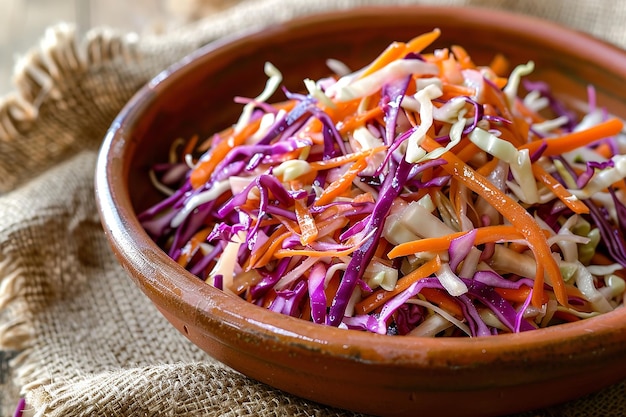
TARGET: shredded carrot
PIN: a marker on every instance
(499, 233)
(333, 213)
(570, 141)
(559, 190)
(488, 167)
(203, 170)
(421, 42)
(308, 228)
(604, 150)
(518, 295)
(360, 119)
(262, 257)
(344, 159)
(394, 51)
(454, 90)
(462, 57)
(514, 213)
(190, 249)
(342, 183)
(443, 300)
(190, 145)
(499, 65)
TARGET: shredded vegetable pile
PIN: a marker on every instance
(421, 195)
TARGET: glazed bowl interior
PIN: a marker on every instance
(344, 368)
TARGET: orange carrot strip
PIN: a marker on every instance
(488, 167)
(344, 159)
(499, 65)
(570, 141)
(517, 295)
(559, 190)
(484, 235)
(341, 184)
(442, 299)
(331, 289)
(462, 57)
(190, 145)
(379, 297)
(516, 215)
(276, 239)
(453, 90)
(394, 51)
(342, 109)
(308, 228)
(203, 170)
(466, 150)
(360, 119)
(604, 150)
(423, 41)
(191, 247)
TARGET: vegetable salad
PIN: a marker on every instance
(421, 195)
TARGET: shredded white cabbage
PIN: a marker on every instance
(518, 160)
(347, 88)
(512, 86)
(273, 82)
(425, 98)
(450, 281)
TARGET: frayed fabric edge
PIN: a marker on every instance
(16, 333)
(59, 55)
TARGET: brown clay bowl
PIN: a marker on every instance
(382, 375)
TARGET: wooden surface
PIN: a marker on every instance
(23, 23)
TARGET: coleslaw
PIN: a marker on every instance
(421, 195)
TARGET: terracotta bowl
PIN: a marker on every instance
(382, 375)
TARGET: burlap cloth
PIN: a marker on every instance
(83, 340)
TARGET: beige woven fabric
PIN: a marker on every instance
(89, 343)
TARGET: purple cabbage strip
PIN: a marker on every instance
(200, 267)
(363, 322)
(475, 323)
(460, 247)
(391, 189)
(258, 291)
(519, 317)
(392, 305)
(620, 208)
(218, 282)
(165, 204)
(392, 96)
(502, 308)
(292, 117)
(476, 290)
(612, 237)
(279, 211)
(584, 178)
(189, 227)
(493, 279)
(248, 157)
(316, 293)
(288, 301)
(408, 317)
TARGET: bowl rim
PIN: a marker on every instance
(171, 281)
